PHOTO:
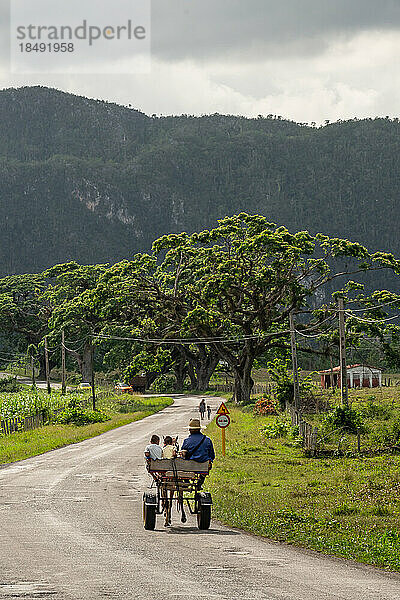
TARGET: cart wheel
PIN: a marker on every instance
(204, 516)
(149, 514)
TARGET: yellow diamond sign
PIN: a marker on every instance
(222, 410)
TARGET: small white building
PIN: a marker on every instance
(358, 376)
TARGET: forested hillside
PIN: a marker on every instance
(92, 181)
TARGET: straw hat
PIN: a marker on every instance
(195, 424)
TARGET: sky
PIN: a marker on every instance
(306, 60)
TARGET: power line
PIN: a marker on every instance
(370, 321)
(375, 307)
(366, 309)
(187, 341)
(311, 336)
(84, 339)
(206, 340)
(70, 350)
(13, 355)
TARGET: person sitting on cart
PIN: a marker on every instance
(197, 446)
(153, 450)
(169, 450)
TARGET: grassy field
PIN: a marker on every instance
(348, 507)
(120, 411)
(379, 409)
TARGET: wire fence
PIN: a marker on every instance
(229, 387)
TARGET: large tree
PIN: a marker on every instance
(25, 310)
(136, 302)
(76, 310)
(235, 285)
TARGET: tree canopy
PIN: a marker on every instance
(218, 295)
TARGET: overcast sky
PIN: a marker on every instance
(307, 60)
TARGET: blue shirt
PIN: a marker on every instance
(204, 452)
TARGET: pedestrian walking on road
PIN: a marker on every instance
(202, 408)
(209, 412)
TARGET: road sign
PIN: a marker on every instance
(222, 410)
(223, 421)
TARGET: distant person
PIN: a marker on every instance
(153, 450)
(209, 412)
(202, 409)
(169, 450)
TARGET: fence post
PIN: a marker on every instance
(314, 440)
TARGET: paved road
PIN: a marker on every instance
(70, 528)
(28, 381)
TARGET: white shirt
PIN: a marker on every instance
(154, 450)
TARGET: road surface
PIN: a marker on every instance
(28, 381)
(70, 528)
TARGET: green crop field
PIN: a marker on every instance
(113, 411)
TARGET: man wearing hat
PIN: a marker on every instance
(197, 446)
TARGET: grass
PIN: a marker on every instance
(380, 412)
(19, 446)
(348, 507)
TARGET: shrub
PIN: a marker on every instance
(249, 408)
(74, 414)
(279, 429)
(344, 418)
(9, 384)
(396, 431)
(382, 435)
(281, 373)
(376, 411)
(164, 384)
(265, 406)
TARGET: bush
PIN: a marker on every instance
(382, 435)
(265, 406)
(164, 384)
(279, 429)
(376, 411)
(74, 414)
(249, 408)
(344, 418)
(396, 431)
(9, 384)
(281, 373)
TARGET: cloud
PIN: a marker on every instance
(353, 78)
(232, 29)
(307, 60)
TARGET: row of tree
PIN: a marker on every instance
(220, 295)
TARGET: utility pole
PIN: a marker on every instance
(93, 388)
(63, 386)
(296, 386)
(46, 360)
(343, 366)
(331, 362)
(33, 371)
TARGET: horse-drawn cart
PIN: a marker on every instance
(180, 481)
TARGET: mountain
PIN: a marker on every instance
(96, 182)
